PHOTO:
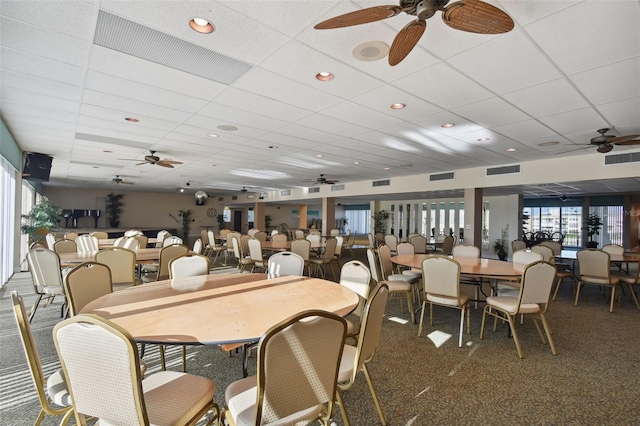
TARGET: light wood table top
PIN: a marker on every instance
(627, 257)
(146, 255)
(286, 245)
(217, 309)
(108, 242)
(471, 266)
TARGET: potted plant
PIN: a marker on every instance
(267, 222)
(114, 204)
(221, 223)
(592, 225)
(500, 248)
(42, 218)
(186, 224)
(380, 221)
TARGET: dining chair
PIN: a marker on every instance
(441, 286)
(85, 283)
(251, 232)
(197, 246)
(119, 242)
(419, 244)
(65, 246)
(188, 265)
(594, 267)
(285, 263)
(334, 232)
(260, 235)
(339, 247)
(161, 236)
(257, 255)
(280, 238)
(132, 243)
(520, 259)
(50, 239)
(356, 276)
(46, 275)
(242, 260)
(392, 242)
(545, 251)
(290, 389)
(100, 235)
(407, 249)
(553, 245)
(314, 237)
(632, 279)
(132, 232)
(299, 234)
(349, 241)
(472, 252)
(87, 243)
(274, 232)
(173, 239)
(532, 299)
(121, 263)
(143, 240)
(357, 358)
(447, 245)
(379, 237)
(118, 395)
(616, 250)
(325, 259)
(53, 394)
(228, 246)
(396, 287)
(204, 237)
(71, 235)
(386, 268)
(302, 247)
(167, 254)
(518, 245)
(214, 248)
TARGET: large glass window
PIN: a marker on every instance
(612, 219)
(358, 221)
(7, 219)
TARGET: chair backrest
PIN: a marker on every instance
(167, 254)
(419, 244)
(173, 239)
(373, 265)
(31, 352)
(594, 263)
(384, 258)
(197, 246)
(545, 251)
(132, 232)
(101, 235)
(379, 237)
(87, 243)
(119, 242)
(285, 263)
(391, 241)
(372, 241)
(299, 234)
(314, 238)
(253, 231)
(211, 237)
(113, 394)
(441, 276)
(356, 276)
(71, 235)
(132, 243)
(613, 249)
(261, 235)
(330, 248)
(143, 240)
(315, 232)
(65, 246)
(188, 265)
(50, 240)
(86, 282)
(522, 258)
(553, 245)
(339, 245)
(537, 280)
(405, 249)
(370, 327)
(320, 336)
(447, 245)
(204, 237)
(161, 236)
(244, 244)
(44, 266)
(334, 232)
(229, 237)
(237, 248)
(466, 250)
(518, 245)
(121, 263)
(224, 232)
(279, 238)
(302, 248)
(255, 250)
(440, 238)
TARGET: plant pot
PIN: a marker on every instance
(592, 244)
(502, 255)
(114, 223)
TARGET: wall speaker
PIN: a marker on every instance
(37, 167)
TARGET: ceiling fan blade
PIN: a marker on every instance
(626, 140)
(364, 16)
(475, 16)
(406, 40)
(604, 148)
(140, 164)
(162, 164)
(168, 162)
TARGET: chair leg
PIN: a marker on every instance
(633, 295)
(613, 294)
(547, 330)
(424, 307)
(410, 305)
(461, 327)
(578, 293)
(343, 411)
(163, 366)
(512, 326)
(184, 359)
(484, 317)
(374, 395)
(35, 307)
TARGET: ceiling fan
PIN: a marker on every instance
(155, 160)
(117, 180)
(324, 181)
(474, 16)
(605, 142)
(243, 190)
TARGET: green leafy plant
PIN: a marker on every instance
(592, 225)
(114, 204)
(500, 248)
(267, 221)
(186, 223)
(380, 221)
(221, 222)
(42, 218)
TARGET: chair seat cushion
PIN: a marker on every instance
(53, 289)
(412, 273)
(401, 277)
(510, 304)
(241, 395)
(396, 286)
(57, 389)
(613, 280)
(447, 300)
(347, 363)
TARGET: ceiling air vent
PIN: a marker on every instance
(441, 176)
(632, 157)
(220, 198)
(285, 192)
(337, 188)
(234, 197)
(385, 182)
(505, 170)
(314, 190)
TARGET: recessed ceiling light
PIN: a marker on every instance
(397, 106)
(106, 150)
(356, 162)
(212, 135)
(201, 25)
(483, 139)
(447, 125)
(371, 51)
(324, 76)
(386, 168)
(319, 155)
(227, 127)
(96, 167)
(273, 147)
(132, 120)
(511, 149)
(550, 143)
(181, 190)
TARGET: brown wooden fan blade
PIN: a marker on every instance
(406, 40)
(475, 16)
(140, 164)
(364, 16)
(626, 140)
(169, 162)
(163, 164)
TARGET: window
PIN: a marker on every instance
(7, 218)
(358, 219)
(226, 214)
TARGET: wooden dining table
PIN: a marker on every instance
(286, 245)
(626, 257)
(479, 267)
(144, 255)
(217, 309)
(108, 242)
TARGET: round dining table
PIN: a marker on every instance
(479, 267)
(286, 245)
(143, 255)
(217, 309)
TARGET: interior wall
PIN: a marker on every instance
(503, 215)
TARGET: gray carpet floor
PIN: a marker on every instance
(594, 379)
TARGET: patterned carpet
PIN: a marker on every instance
(594, 379)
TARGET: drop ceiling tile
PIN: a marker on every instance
(525, 12)
(201, 133)
(429, 84)
(133, 108)
(573, 121)
(40, 86)
(28, 110)
(9, 94)
(257, 104)
(305, 133)
(50, 123)
(110, 133)
(360, 146)
(547, 98)
(491, 112)
(212, 123)
(381, 98)
(602, 85)
(434, 123)
(509, 63)
(117, 119)
(331, 125)
(572, 35)
(290, 140)
(524, 130)
(360, 115)
(226, 114)
(626, 111)
(31, 65)
(124, 127)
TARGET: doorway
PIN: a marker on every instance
(237, 221)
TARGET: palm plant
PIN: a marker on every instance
(42, 218)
